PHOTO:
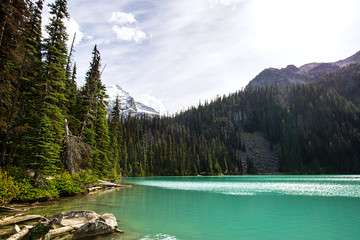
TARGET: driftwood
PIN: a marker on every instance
(82, 224)
(22, 233)
(93, 189)
(86, 223)
(109, 184)
(104, 185)
(16, 229)
(19, 219)
(9, 209)
(59, 231)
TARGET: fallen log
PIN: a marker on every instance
(9, 209)
(110, 184)
(19, 235)
(16, 229)
(93, 189)
(19, 219)
(59, 231)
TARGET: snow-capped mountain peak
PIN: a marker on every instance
(128, 105)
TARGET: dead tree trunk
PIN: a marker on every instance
(20, 234)
(19, 219)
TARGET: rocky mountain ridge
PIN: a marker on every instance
(299, 75)
(129, 107)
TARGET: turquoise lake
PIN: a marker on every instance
(231, 207)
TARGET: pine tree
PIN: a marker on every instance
(94, 129)
(116, 138)
(13, 18)
(31, 98)
(56, 56)
(50, 115)
(71, 89)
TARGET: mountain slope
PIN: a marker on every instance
(346, 81)
(129, 107)
(302, 75)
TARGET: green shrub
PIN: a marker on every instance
(28, 193)
(66, 185)
(84, 178)
(8, 187)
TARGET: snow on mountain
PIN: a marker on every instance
(128, 105)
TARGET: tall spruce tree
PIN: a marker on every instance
(31, 79)
(116, 139)
(94, 129)
(71, 88)
(13, 18)
(53, 108)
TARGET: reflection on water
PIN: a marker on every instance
(340, 186)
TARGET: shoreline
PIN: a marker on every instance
(19, 210)
(16, 208)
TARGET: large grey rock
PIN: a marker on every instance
(104, 224)
(91, 224)
(110, 219)
(74, 218)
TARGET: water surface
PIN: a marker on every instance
(231, 207)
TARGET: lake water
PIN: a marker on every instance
(231, 207)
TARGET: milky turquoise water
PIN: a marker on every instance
(232, 207)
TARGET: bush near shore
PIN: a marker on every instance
(16, 185)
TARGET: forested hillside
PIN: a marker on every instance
(315, 129)
(55, 136)
(48, 126)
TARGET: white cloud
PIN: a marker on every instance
(122, 18)
(129, 34)
(152, 101)
(199, 49)
(231, 3)
(126, 27)
(73, 27)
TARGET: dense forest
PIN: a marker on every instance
(55, 136)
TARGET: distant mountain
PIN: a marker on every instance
(302, 75)
(129, 107)
(346, 81)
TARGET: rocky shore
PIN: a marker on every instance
(68, 225)
(16, 224)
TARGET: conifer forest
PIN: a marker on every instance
(56, 136)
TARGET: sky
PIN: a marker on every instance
(173, 54)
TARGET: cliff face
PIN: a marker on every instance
(260, 156)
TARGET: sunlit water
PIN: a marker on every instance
(231, 207)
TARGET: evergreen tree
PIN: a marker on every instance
(52, 87)
(116, 138)
(13, 18)
(94, 129)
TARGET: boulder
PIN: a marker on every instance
(91, 224)
(73, 218)
(110, 219)
(102, 225)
